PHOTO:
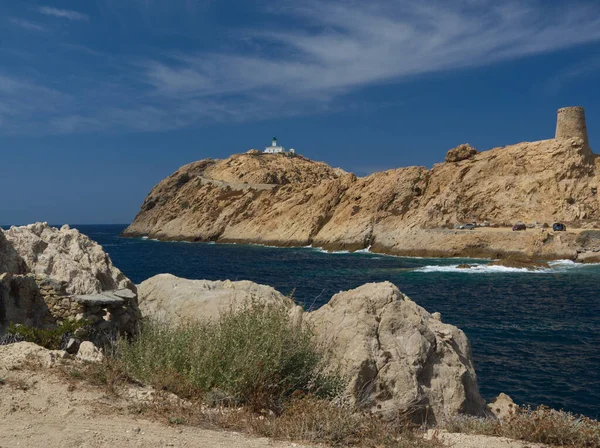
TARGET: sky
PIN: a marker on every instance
(101, 99)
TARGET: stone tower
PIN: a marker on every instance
(571, 124)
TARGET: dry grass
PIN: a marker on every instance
(307, 419)
(539, 425)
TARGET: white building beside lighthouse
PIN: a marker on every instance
(276, 149)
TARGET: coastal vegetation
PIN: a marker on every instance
(254, 370)
(254, 356)
(536, 425)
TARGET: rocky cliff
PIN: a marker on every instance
(279, 200)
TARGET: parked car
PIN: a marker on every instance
(559, 227)
(469, 226)
(519, 226)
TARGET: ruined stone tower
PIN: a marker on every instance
(571, 124)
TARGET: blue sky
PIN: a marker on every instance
(101, 99)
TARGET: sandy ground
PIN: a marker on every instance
(39, 407)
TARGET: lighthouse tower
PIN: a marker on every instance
(274, 148)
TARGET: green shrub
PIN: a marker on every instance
(50, 338)
(254, 356)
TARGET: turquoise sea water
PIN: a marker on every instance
(535, 336)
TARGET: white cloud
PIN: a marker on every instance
(326, 50)
(342, 46)
(62, 13)
(27, 25)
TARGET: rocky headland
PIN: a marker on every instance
(275, 199)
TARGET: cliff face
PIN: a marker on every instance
(279, 200)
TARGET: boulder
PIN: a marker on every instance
(502, 406)
(21, 354)
(66, 255)
(89, 352)
(177, 300)
(461, 152)
(398, 357)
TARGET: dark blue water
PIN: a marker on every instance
(535, 336)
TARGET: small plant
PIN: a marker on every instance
(176, 421)
(253, 356)
(50, 338)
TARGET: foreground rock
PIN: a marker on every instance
(397, 356)
(49, 275)
(66, 255)
(277, 200)
(502, 406)
(172, 299)
(23, 354)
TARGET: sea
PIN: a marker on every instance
(534, 335)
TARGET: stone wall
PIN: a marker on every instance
(41, 301)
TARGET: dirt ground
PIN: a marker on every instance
(39, 407)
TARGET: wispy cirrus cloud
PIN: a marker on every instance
(323, 51)
(351, 44)
(27, 25)
(62, 13)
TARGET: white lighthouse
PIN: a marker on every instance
(276, 149)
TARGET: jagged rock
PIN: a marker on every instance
(15, 356)
(398, 356)
(176, 300)
(461, 152)
(10, 260)
(520, 263)
(66, 255)
(464, 266)
(502, 406)
(89, 352)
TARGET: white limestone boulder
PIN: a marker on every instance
(66, 255)
(398, 356)
(168, 298)
(88, 352)
(23, 354)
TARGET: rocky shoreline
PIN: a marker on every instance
(582, 246)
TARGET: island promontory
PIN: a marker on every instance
(285, 199)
